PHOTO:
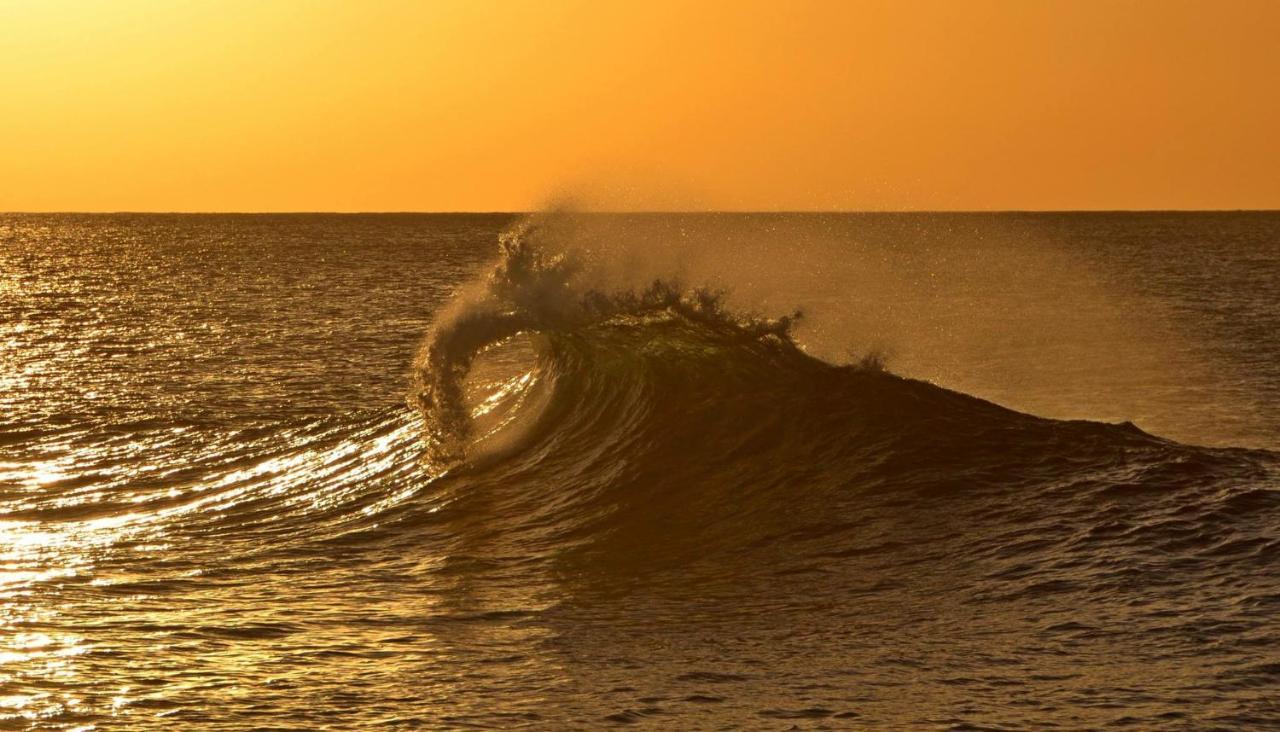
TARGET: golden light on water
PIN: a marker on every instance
(35, 552)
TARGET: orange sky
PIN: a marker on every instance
(266, 105)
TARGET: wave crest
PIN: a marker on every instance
(540, 287)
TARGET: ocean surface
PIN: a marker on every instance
(697, 472)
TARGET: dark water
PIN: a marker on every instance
(357, 471)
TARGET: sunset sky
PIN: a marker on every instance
(267, 105)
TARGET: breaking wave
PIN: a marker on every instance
(659, 414)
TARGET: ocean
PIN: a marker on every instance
(694, 471)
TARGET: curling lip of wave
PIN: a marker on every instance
(533, 289)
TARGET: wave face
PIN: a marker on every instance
(612, 500)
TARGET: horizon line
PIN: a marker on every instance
(496, 212)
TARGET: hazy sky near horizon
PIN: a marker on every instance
(275, 105)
